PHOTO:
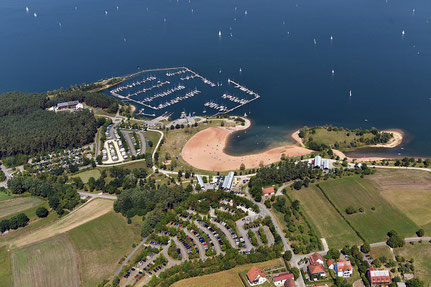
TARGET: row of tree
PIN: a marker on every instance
(14, 222)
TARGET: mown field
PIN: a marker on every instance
(409, 191)
(13, 206)
(377, 252)
(85, 175)
(421, 252)
(372, 224)
(5, 268)
(100, 244)
(228, 278)
(86, 213)
(52, 262)
(324, 218)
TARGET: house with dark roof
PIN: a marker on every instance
(256, 276)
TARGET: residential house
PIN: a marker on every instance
(316, 259)
(316, 270)
(343, 269)
(378, 278)
(290, 283)
(281, 278)
(268, 191)
(256, 276)
(330, 264)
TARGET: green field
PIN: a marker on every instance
(4, 196)
(51, 262)
(154, 137)
(377, 252)
(324, 218)
(421, 252)
(5, 271)
(85, 176)
(360, 193)
(100, 245)
(16, 205)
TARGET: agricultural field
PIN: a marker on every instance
(333, 228)
(79, 216)
(16, 205)
(51, 262)
(226, 278)
(421, 252)
(409, 191)
(85, 176)
(100, 244)
(372, 224)
(5, 269)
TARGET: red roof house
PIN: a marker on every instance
(316, 259)
(316, 270)
(256, 276)
(281, 278)
(289, 283)
(378, 277)
(268, 190)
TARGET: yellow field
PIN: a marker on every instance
(52, 262)
(228, 278)
(86, 213)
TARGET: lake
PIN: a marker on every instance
(302, 57)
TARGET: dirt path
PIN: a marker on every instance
(87, 212)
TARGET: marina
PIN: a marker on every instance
(163, 89)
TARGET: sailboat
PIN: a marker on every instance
(350, 93)
(219, 33)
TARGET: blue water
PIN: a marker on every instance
(389, 75)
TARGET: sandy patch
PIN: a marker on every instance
(205, 150)
(92, 210)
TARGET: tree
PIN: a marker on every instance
(297, 185)
(295, 271)
(394, 239)
(366, 248)
(420, 232)
(42, 212)
(242, 167)
(415, 282)
(287, 255)
(333, 254)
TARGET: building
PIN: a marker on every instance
(290, 283)
(317, 270)
(343, 269)
(256, 276)
(281, 278)
(200, 180)
(67, 106)
(227, 183)
(326, 164)
(378, 278)
(268, 190)
(318, 161)
(316, 259)
(330, 264)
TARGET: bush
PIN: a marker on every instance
(351, 210)
(420, 232)
(42, 212)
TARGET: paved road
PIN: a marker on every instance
(243, 233)
(143, 144)
(97, 195)
(409, 239)
(130, 256)
(226, 233)
(129, 141)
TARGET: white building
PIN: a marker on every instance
(227, 183)
(318, 161)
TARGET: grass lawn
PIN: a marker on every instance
(4, 196)
(343, 138)
(101, 244)
(5, 271)
(16, 205)
(377, 252)
(228, 278)
(85, 176)
(153, 137)
(324, 218)
(51, 262)
(421, 252)
(360, 193)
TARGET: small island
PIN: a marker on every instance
(323, 137)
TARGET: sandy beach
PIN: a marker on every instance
(205, 150)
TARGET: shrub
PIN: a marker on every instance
(420, 232)
(42, 212)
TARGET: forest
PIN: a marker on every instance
(27, 128)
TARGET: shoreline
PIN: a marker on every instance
(206, 151)
(398, 137)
